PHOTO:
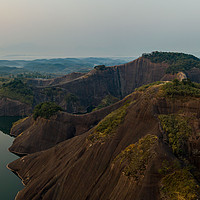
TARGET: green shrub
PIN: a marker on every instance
(46, 110)
(109, 124)
(178, 131)
(136, 157)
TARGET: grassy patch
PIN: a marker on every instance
(108, 125)
(136, 157)
(178, 131)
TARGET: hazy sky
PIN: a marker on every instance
(65, 28)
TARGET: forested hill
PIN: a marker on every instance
(177, 61)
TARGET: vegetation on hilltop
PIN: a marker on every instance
(175, 88)
(18, 90)
(45, 110)
(177, 61)
(181, 88)
(108, 125)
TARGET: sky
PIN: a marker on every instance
(101, 28)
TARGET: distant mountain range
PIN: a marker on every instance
(57, 66)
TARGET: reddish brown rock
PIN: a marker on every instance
(92, 87)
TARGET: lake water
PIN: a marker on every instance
(10, 184)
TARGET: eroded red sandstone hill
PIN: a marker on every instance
(79, 93)
(121, 158)
(117, 81)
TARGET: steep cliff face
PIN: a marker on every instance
(117, 81)
(120, 158)
(10, 107)
(137, 73)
